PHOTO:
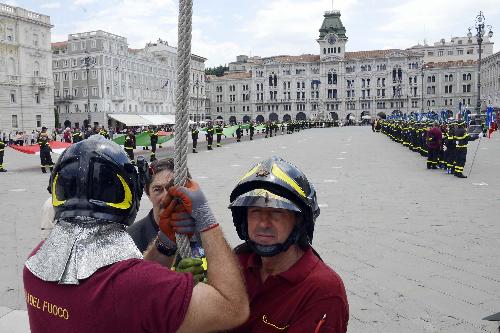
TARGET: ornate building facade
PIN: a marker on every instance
(121, 80)
(490, 80)
(26, 88)
(338, 84)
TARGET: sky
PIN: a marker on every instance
(223, 29)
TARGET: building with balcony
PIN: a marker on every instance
(338, 84)
(490, 80)
(117, 80)
(26, 88)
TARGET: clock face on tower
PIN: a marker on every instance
(332, 39)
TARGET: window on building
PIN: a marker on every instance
(75, 75)
(38, 120)
(56, 93)
(470, 51)
(12, 96)
(93, 44)
(450, 52)
(37, 98)
(84, 92)
(75, 91)
(10, 35)
(440, 53)
(65, 76)
(460, 52)
(14, 121)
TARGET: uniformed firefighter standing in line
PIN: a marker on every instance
(251, 127)
(45, 150)
(239, 133)
(219, 132)
(210, 136)
(2, 151)
(77, 136)
(433, 140)
(194, 137)
(129, 145)
(461, 139)
(153, 137)
(103, 132)
(450, 152)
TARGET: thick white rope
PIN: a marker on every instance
(181, 107)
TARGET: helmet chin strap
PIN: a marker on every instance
(275, 249)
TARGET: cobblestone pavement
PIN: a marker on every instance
(418, 250)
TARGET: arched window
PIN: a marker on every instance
(324, 50)
(338, 50)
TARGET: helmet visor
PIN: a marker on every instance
(263, 198)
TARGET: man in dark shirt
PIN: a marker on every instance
(144, 231)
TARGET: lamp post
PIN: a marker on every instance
(480, 31)
(197, 85)
(88, 62)
(422, 90)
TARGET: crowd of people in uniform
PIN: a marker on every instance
(443, 144)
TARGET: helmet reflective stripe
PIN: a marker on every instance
(127, 201)
(251, 172)
(284, 177)
(265, 199)
(55, 201)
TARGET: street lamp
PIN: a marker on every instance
(197, 85)
(480, 31)
(422, 90)
(88, 62)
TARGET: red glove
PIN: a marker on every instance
(195, 204)
(175, 219)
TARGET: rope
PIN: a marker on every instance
(182, 104)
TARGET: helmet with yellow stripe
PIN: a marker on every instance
(95, 178)
(275, 183)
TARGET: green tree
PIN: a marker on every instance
(217, 71)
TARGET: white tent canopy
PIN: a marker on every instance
(129, 119)
(159, 119)
(144, 119)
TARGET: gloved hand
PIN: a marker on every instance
(195, 203)
(167, 234)
(193, 266)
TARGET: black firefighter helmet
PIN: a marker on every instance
(279, 184)
(95, 178)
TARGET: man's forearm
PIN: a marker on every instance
(224, 272)
(152, 254)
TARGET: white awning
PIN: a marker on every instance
(159, 119)
(129, 119)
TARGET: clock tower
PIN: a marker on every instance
(332, 37)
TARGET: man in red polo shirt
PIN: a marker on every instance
(290, 288)
(89, 276)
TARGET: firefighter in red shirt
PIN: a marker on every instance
(88, 275)
(433, 139)
(290, 288)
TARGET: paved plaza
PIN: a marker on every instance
(418, 250)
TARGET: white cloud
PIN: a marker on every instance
(83, 2)
(51, 5)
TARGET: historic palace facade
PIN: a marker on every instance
(338, 84)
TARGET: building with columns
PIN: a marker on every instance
(338, 84)
(26, 88)
(490, 80)
(121, 80)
